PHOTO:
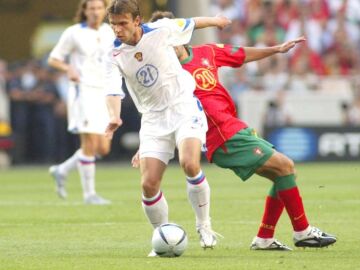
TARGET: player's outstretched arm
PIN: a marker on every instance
(217, 21)
(114, 108)
(254, 54)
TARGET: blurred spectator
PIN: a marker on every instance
(42, 98)
(278, 113)
(352, 112)
(302, 79)
(307, 26)
(277, 77)
(286, 11)
(239, 83)
(65, 142)
(267, 32)
(19, 80)
(3, 97)
(232, 9)
(32, 94)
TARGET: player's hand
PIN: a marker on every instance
(73, 74)
(222, 21)
(112, 127)
(135, 161)
(285, 47)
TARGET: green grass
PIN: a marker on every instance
(40, 231)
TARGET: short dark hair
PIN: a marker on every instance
(80, 13)
(157, 15)
(118, 7)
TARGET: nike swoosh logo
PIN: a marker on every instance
(116, 54)
(297, 218)
(201, 205)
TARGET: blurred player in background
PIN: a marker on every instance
(232, 144)
(163, 93)
(85, 44)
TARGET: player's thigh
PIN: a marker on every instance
(159, 147)
(190, 136)
(277, 165)
(244, 153)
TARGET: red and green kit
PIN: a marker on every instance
(203, 63)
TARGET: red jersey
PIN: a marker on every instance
(203, 63)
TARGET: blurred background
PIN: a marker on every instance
(306, 102)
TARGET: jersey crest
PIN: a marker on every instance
(205, 62)
(138, 56)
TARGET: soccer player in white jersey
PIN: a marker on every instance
(162, 91)
(84, 44)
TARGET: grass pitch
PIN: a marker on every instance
(40, 231)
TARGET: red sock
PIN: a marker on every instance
(294, 207)
(272, 213)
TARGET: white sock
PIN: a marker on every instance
(302, 234)
(156, 209)
(69, 164)
(86, 167)
(199, 196)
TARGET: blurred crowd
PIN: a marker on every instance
(37, 98)
(331, 27)
(328, 61)
(38, 117)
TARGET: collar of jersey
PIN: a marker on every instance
(189, 58)
(146, 29)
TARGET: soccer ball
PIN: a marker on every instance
(169, 240)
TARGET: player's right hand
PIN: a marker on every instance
(286, 46)
(73, 74)
(135, 161)
(113, 125)
(222, 21)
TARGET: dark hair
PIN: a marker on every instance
(80, 13)
(119, 7)
(157, 15)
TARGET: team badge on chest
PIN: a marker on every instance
(138, 56)
(205, 62)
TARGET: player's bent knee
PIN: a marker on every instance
(150, 187)
(287, 166)
(191, 168)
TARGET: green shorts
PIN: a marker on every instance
(243, 153)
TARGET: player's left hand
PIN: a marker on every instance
(222, 21)
(112, 127)
(285, 47)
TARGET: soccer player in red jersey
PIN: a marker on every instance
(233, 145)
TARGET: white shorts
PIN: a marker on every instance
(87, 111)
(162, 131)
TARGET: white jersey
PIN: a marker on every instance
(153, 74)
(85, 48)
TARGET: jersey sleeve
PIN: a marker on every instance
(228, 55)
(113, 77)
(64, 46)
(180, 30)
